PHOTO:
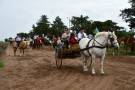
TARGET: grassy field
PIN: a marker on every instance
(1, 64)
(3, 46)
(121, 51)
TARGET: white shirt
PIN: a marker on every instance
(18, 39)
(58, 42)
(65, 35)
(35, 37)
(82, 35)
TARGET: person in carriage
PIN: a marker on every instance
(65, 38)
(73, 39)
(81, 34)
(74, 44)
(54, 41)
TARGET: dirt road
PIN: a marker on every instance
(37, 71)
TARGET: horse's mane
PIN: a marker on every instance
(101, 34)
(105, 34)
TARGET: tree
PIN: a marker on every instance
(22, 35)
(128, 15)
(58, 27)
(6, 40)
(42, 27)
(81, 22)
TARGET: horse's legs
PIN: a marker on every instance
(85, 63)
(23, 53)
(113, 51)
(20, 52)
(84, 58)
(15, 51)
(126, 49)
(93, 63)
(101, 63)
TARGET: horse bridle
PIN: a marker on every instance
(109, 38)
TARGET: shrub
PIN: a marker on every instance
(1, 64)
(3, 46)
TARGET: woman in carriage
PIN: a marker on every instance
(73, 39)
(74, 44)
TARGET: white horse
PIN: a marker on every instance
(97, 48)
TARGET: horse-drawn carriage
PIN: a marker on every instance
(93, 48)
(61, 52)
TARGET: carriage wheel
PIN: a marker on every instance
(58, 57)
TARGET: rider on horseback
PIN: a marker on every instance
(18, 40)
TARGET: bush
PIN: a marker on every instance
(1, 64)
(3, 46)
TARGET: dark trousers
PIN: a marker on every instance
(18, 43)
(66, 43)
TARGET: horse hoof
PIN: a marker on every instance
(93, 73)
(85, 70)
(102, 73)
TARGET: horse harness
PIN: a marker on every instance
(101, 47)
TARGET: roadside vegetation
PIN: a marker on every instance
(3, 46)
(121, 51)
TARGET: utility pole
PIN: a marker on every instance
(69, 22)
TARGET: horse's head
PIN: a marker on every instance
(112, 40)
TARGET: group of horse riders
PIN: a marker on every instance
(67, 38)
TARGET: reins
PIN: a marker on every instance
(93, 44)
(102, 47)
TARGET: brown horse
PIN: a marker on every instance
(54, 43)
(130, 43)
(36, 44)
(120, 40)
(22, 46)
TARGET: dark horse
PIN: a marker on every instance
(36, 44)
(130, 43)
(45, 42)
(120, 40)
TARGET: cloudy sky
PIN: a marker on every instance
(18, 15)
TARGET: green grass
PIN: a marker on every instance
(1, 65)
(121, 51)
(3, 46)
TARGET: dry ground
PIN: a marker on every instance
(37, 71)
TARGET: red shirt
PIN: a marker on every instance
(73, 41)
(39, 38)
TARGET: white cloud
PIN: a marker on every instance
(19, 15)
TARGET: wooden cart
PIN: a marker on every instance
(63, 53)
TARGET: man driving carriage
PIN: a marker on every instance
(81, 34)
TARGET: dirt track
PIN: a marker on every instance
(37, 71)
